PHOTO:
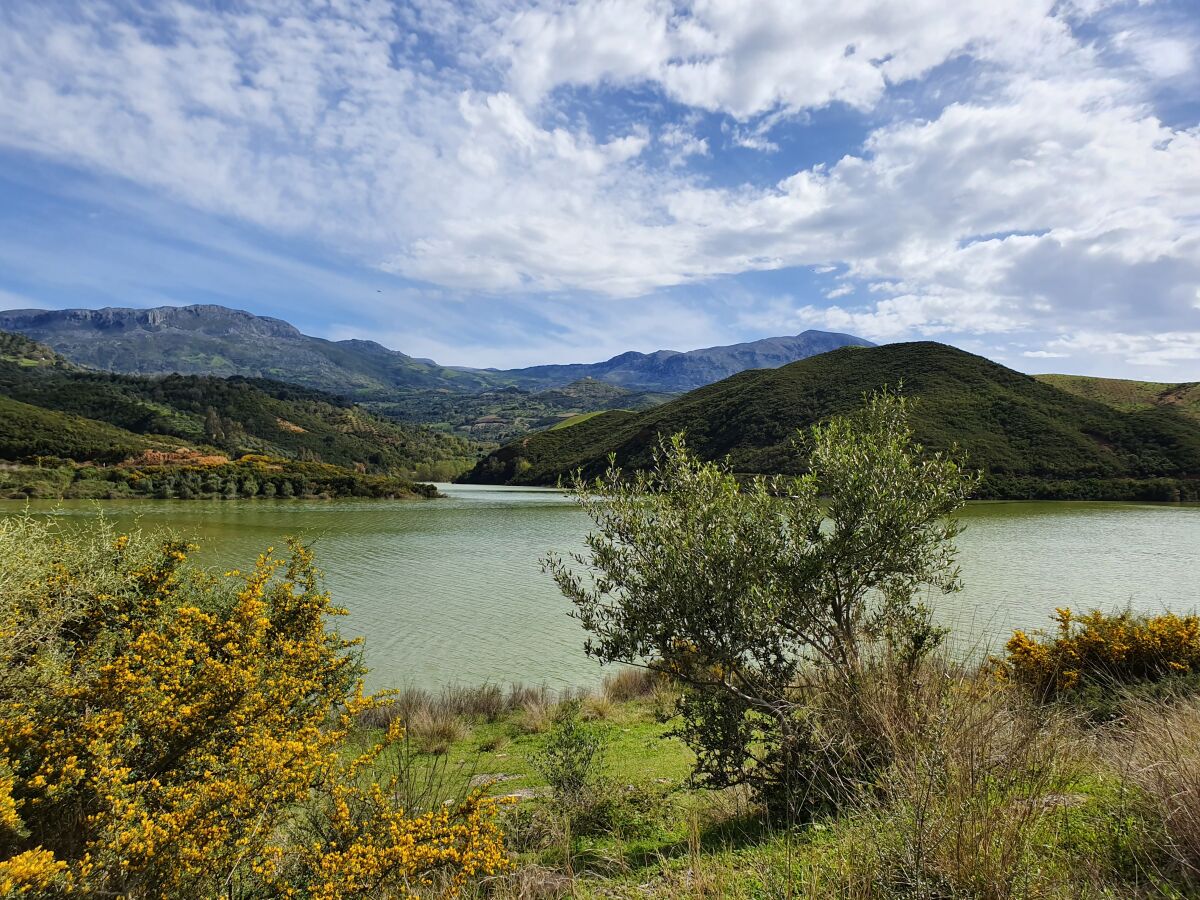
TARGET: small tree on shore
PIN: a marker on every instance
(756, 594)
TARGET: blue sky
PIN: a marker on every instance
(507, 183)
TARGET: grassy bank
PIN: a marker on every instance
(990, 794)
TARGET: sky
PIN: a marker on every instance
(503, 183)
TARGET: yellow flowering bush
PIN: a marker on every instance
(168, 732)
(1096, 646)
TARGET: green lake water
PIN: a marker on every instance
(450, 590)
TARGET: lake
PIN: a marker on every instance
(450, 590)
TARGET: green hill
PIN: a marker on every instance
(1030, 438)
(28, 431)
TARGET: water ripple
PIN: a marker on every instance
(451, 591)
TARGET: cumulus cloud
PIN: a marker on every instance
(747, 59)
(445, 142)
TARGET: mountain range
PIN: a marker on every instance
(215, 340)
(258, 386)
(1029, 437)
(672, 371)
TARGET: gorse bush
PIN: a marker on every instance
(1099, 647)
(164, 730)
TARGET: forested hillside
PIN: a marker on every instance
(234, 415)
(66, 431)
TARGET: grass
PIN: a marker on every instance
(1127, 395)
(989, 795)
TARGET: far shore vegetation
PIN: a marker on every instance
(189, 475)
(781, 718)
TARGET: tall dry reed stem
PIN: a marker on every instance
(1159, 752)
(971, 776)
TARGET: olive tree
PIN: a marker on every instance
(756, 593)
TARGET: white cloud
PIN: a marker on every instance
(681, 143)
(1156, 349)
(1049, 194)
(747, 59)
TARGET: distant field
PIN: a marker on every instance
(1130, 395)
(575, 420)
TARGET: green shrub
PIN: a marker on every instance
(571, 759)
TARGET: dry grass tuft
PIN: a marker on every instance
(630, 683)
(435, 730)
(531, 882)
(486, 702)
(536, 715)
(596, 707)
(973, 780)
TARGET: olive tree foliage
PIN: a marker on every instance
(756, 594)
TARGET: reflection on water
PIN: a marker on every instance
(451, 589)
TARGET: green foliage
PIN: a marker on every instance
(1032, 440)
(28, 431)
(756, 595)
(19, 349)
(168, 732)
(105, 417)
(571, 758)
(246, 478)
